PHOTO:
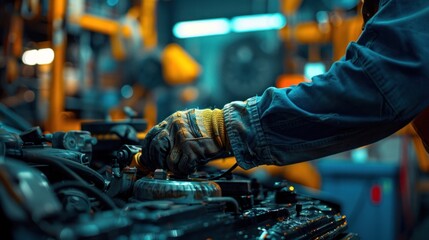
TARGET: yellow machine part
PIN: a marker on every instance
(340, 30)
(343, 32)
(148, 23)
(178, 66)
(103, 25)
(308, 33)
(59, 42)
(289, 7)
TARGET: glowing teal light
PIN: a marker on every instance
(199, 28)
(219, 26)
(258, 22)
(312, 69)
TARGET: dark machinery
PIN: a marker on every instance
(51, 190)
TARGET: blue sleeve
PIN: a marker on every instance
(380, 85)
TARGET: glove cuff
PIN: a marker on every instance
(214, 124)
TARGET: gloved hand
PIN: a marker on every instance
(185, 140)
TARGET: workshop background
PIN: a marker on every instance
(65, 63)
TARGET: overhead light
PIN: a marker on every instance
(258, 22)
(219, 26)
(199, 28)
(41, 56)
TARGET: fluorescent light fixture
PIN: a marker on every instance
(313, 69)
(200, 28)
(41, 56)
(219, 26)
(258, 22)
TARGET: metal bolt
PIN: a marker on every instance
(160, 174)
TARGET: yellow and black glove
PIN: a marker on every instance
(185, 140)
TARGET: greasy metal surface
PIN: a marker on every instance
(175, 190)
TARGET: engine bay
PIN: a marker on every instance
(55, 186)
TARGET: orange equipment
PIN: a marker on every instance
(58, 38)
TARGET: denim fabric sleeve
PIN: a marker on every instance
(310, 120)
(379, 86)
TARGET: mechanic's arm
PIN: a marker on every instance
(337, 111)
(379, 86)
(340, 110)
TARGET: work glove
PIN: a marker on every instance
(186, 140)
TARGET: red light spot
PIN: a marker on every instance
(376, 194)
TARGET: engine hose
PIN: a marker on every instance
(88, 189)
(83, 171)
(58, 164)
(225, 173)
